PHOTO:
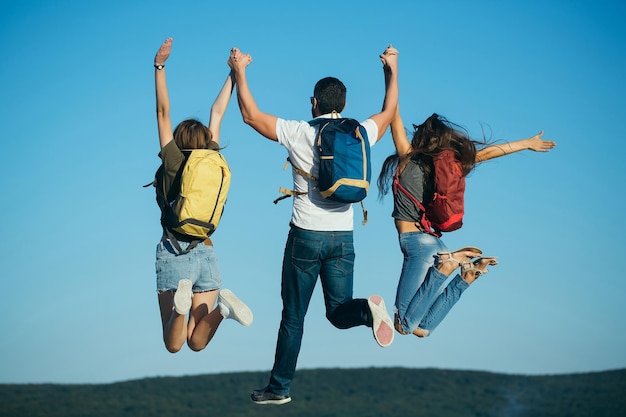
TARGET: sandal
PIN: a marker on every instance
(450, 258)
(398, 325)
(478, 266)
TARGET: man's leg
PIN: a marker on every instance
(342, 310)
(337, 276)
(300, 270)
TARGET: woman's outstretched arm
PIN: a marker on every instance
(534, 143)
(162, 98)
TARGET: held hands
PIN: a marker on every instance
(389, 58)
(163, 53)
(539, 145)
(238, 60)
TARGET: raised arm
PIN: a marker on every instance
(219, 108)
(162, 98)
(398, 133)
(390, 103)
(534, 143)
(263, 123)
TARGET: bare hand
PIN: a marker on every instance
(539, 145)
(164, 52)
(389, 58)
(238, 60)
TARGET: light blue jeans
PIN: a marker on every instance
(423, 299)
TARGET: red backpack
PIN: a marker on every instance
(444, 213)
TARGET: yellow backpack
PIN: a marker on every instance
(197, 209)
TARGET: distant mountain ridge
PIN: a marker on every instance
(365, 392)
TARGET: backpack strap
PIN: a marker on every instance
(176, 245)
(298, 170)
(424, 222)
(364, 222)
(158, 184)
(287, 192)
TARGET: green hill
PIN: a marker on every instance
(332, 392)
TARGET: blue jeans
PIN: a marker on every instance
(309, 254)
(422, 298)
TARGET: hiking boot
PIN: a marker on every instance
(182, 297)
(265, 396)
(382, 325)
(232, 307)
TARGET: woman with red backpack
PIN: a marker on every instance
(423, 299)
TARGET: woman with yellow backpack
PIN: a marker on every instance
(188, 274)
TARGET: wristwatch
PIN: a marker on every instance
(159, 67)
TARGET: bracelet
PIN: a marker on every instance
(159, 67)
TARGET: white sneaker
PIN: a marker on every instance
(382, 326)
(232, 307)
(182, 297)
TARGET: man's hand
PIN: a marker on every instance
(238, 60)
(389, 58)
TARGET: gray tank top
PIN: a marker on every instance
(412, 178)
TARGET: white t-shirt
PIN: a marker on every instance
(312, 211)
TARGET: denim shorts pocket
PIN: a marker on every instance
(305, 253)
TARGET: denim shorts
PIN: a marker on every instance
(200, 266)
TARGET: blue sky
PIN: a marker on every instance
(80, 232)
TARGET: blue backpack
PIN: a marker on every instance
(345, 168)
(344, 149)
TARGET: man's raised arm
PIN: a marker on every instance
(263, 123)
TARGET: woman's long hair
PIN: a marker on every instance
(430, 138)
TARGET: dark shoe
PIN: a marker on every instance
(264, 396)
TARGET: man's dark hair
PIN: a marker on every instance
(330, 94)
